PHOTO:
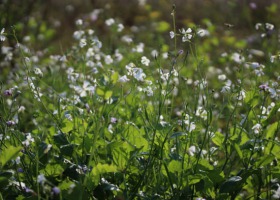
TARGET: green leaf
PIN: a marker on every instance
(218, 139)
(265, 160)
(271, 131)
(68, 126)
(231, 185)
(60, 139)
(103, 168)
(108, 95)
(67, 149)
(238, 150)
(8, 154)
(100, 92)
(193, 179)
(115, 77)
(175, 166)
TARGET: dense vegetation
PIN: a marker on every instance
(144, 105)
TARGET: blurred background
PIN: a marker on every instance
(50, 23)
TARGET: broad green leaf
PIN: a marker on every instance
(60, 139)
(265, 160)
(271, 131)
(205, 165)
(8, 154)
(175, 166)
(108, 95)
(115, 77)
(231, 185)
(100, 92)
(53, 169)
(193, 179)
(218, 139)
(68, 126)
(103, 168)
(67, 150)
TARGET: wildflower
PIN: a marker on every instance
(203, 33)
(79, 22)
(145, 61)
(120, 27)
(108, 60)
(236, 57)
(123, 79)
(38, 72)
(172, 34)
(55, 190)
(83, 90)
(192, 150)
(110, 22)
(269, 26)
(83, 42)
(29, 139)
(41, 179)
(8, 92)
(222, 77)
(11, 123)
(257, 128)
(276, 194)
(139, 48)
(264, 87)
(257, 26)
(186, 34)
(78, 34)
(2, 36)
(126, 39)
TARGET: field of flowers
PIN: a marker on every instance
(161, 110)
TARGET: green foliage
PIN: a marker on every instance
(197, 119)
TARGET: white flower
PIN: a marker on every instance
(222, 77)
(83, 42)
(257, 128)
(126, 39)
(276, 194)
(110, 22)
(138, 74)
(186, 34)
(120, 27)
(269, 26)
(123, 79)
(108, 60)
(83, 90)
(257, 26)
(79, 22)
(203, 32)
(28, 140)
(145, 61)
(41, 178)
(172, 34)
(78, 34)
(192, 150)
(2, 36)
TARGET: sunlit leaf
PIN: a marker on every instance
(8, 154)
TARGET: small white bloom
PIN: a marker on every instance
(222, 77)
(192, 150)
(110, 22)
(120, 27)
(172, 34)
(83, 42)
(123, 79)
(257, 128)
(145, 61)
(28, 140)
(257, 26)
(2, 36)
(269, 26)
(79, 22)
(108, 60)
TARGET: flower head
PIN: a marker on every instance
(2, 36)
